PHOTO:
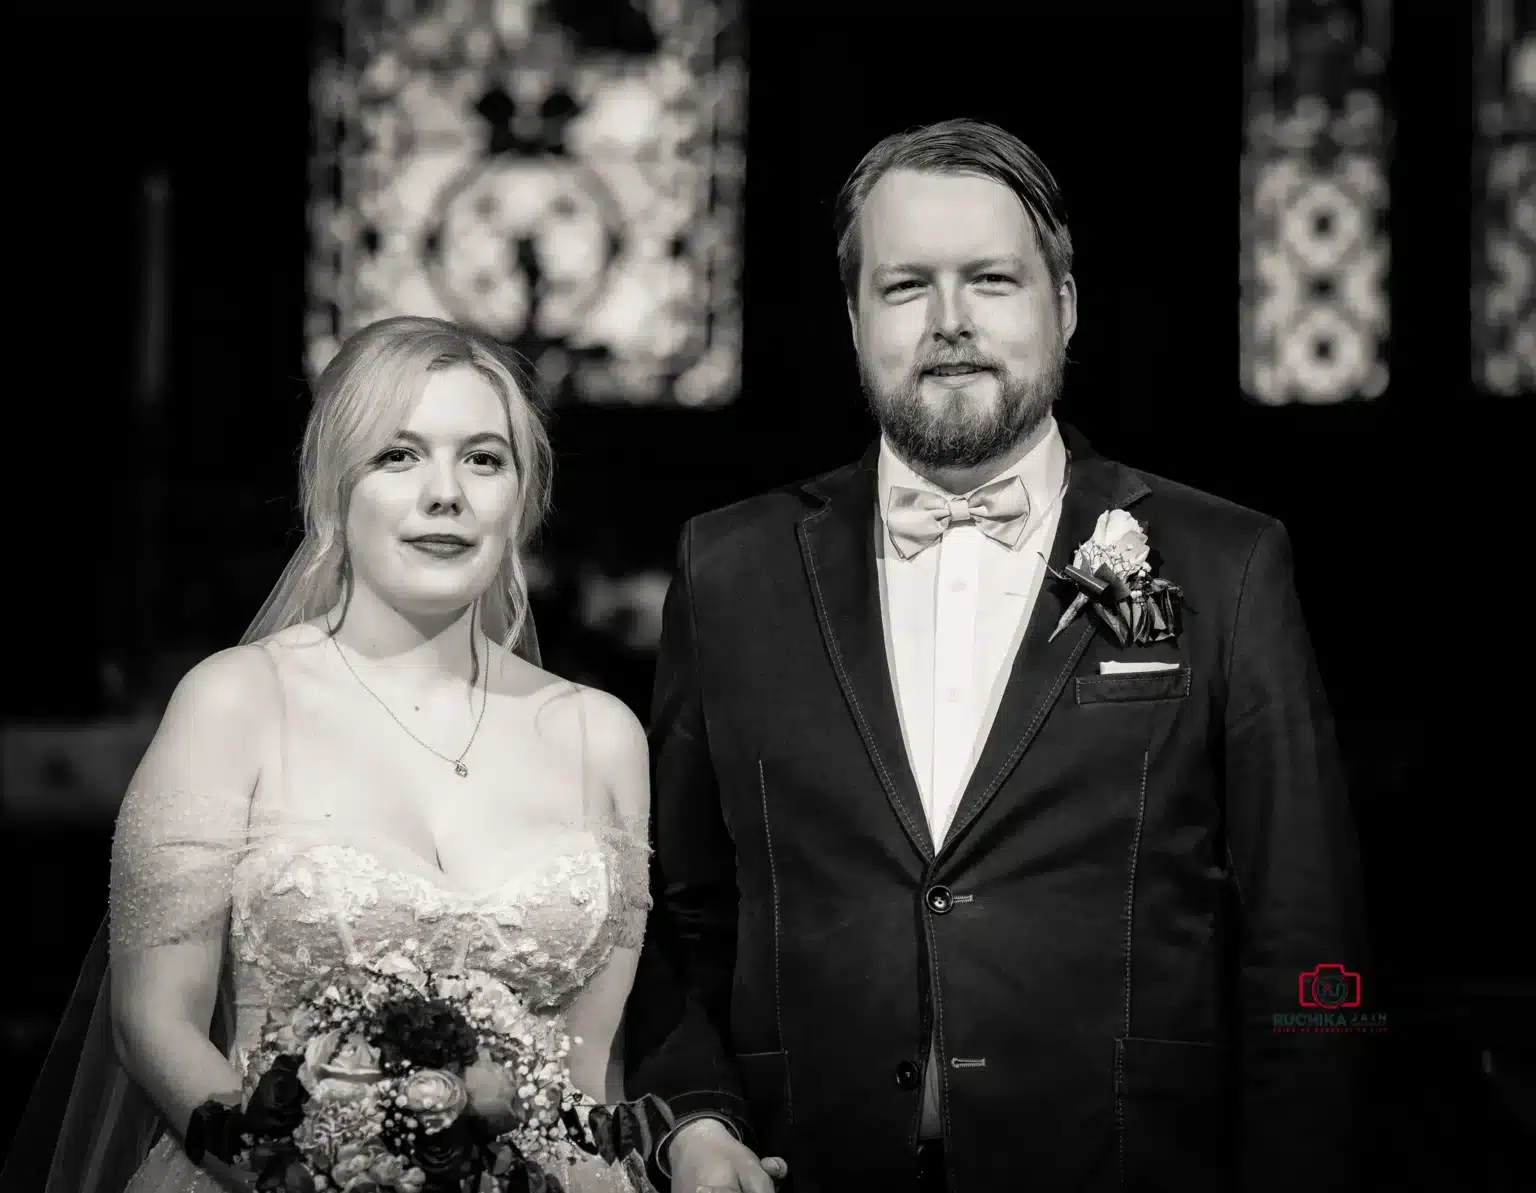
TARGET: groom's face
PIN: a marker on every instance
(961, 334)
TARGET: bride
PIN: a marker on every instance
(374, 770)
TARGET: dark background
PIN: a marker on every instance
(1405, 511)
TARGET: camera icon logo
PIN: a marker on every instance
(1329, 987)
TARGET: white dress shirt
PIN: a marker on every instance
(954, 616)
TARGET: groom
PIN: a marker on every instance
(974, 873)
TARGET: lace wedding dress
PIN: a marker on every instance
(296, 900)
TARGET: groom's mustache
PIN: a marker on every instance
(950, 360)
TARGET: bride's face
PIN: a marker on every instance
(429, 519)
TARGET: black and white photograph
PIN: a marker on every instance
(716, 596)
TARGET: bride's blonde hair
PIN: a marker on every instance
(361, 400)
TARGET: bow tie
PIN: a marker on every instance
(917, 518)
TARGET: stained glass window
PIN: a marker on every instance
(1504, 217)
(1314, 201)
(564, 174)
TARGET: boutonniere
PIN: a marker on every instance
(1114, 579)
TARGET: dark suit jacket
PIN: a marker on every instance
(1139, 871)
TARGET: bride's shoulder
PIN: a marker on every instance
(614, 742)
(611, 724)
(239, 681)
(588, 719)
(214, 731)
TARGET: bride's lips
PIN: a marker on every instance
(442, 546)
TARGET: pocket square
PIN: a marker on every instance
(1117, 668)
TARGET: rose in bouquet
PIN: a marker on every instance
(391, 1077)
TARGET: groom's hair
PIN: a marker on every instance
(956, 147)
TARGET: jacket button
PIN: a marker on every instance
(907, 1075)
(939, 900)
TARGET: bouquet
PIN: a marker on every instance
(390, 1077)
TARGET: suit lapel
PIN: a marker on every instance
(1041, 669)
(837, 543)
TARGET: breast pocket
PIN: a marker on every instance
(1133, 687)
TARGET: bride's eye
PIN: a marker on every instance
(395, 455)
(486, 460)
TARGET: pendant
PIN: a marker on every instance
(460, 769)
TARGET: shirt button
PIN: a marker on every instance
(952, 695)
(957, 586)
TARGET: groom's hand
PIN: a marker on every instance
(704, 1155)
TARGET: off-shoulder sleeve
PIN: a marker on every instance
(173, 864)
(631, 889)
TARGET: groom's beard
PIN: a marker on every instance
(955, 433)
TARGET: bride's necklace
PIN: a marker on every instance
(457, 763)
